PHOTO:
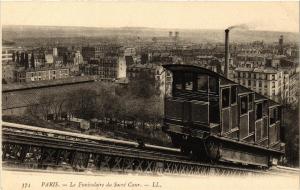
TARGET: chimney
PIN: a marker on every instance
(226, 67)
(176, 34)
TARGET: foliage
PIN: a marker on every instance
(291, 123)
(4, 81)
(137, 105)
(81, 103)
(144, 86)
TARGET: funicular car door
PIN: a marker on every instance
(274, 127)
(225, 109)
(261, 122)
(243, 116)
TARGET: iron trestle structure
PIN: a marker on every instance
(39, 148)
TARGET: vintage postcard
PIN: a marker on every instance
(149, 95)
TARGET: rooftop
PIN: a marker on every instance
(145, 66)
(39, 84)
(258, 70)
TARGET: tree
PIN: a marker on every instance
(26, 61)
(22, 61)
(13, 56)
(82, 103)
(144, 86)
(4, 81)
(32, 60)
(291, 130)
(18, 57)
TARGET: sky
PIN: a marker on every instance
(272, 16)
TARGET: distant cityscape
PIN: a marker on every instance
(270, 69)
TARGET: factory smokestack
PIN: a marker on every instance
(226, 67)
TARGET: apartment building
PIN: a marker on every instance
(268, 82)
(40, 74)
(155, 71)
(7, 54)
(107, 69)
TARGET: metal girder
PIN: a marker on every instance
(117, 164)
(80, 160)
(41, 156)
(105, 162)
(128, 164)
(138, 164)
(33, 156)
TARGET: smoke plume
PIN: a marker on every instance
(240, 26)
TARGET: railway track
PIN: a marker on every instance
(39, 148)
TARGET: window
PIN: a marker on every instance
(260, 84)
(202, 83)
(259, 111)
(213, 85)
(225, 97)
(244, 105)
(249, 82)
(273, 84)
(188, 81)
(250, 101)
(233, 94)
(178, 83)
(273, 115)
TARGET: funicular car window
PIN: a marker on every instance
(250, 101)
(188, 81)
(213, 85)
(265, 108)
(202, 82)
(244, 105)
(273, 115)
(178, 81)
(259, 111)
(225, 97)
(233, 94)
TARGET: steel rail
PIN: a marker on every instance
(41, 137)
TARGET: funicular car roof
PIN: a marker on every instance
(224, 80)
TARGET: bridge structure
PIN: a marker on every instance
(39, 148)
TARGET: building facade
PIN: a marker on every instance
(100, 51)
(7, 54)
(156, 72)
(107, 69)
(41, 74)
(8, 72)
(268, 82)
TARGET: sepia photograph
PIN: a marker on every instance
(149, 95)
